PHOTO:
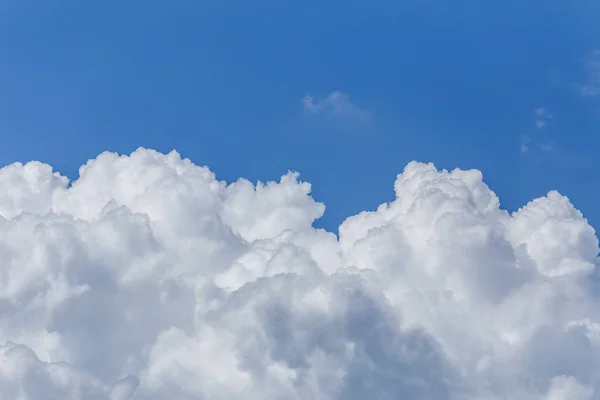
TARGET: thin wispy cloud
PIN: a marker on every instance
(591, 87)
(544, 144)
(335, 103)
(542, 117)
(525, 139)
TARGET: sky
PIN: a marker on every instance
(310, 200)
(223, 83)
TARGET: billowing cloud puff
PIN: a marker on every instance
(148, 277)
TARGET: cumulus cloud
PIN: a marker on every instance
(24, 376)
(148, 277)
(592, 69)
(335, 103)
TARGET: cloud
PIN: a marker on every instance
(336, 103)
(592, 70)
(149, 277)
(547, 146)
(525, 142)
(24, 376)
(542, 117)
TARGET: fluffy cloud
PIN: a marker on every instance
(149, 277)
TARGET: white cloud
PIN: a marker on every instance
(592, 70)
(567, 388)
(150, 276)
(24, 376)
(336, 103)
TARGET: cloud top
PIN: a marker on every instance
(149, 277)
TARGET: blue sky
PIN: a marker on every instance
(511, 88)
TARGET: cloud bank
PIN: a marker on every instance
(148, 278)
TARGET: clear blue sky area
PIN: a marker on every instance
(511, 88)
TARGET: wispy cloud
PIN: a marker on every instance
(542, 117)
(541, 144)
(591, 87)
(336, 103)
(525, 140)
